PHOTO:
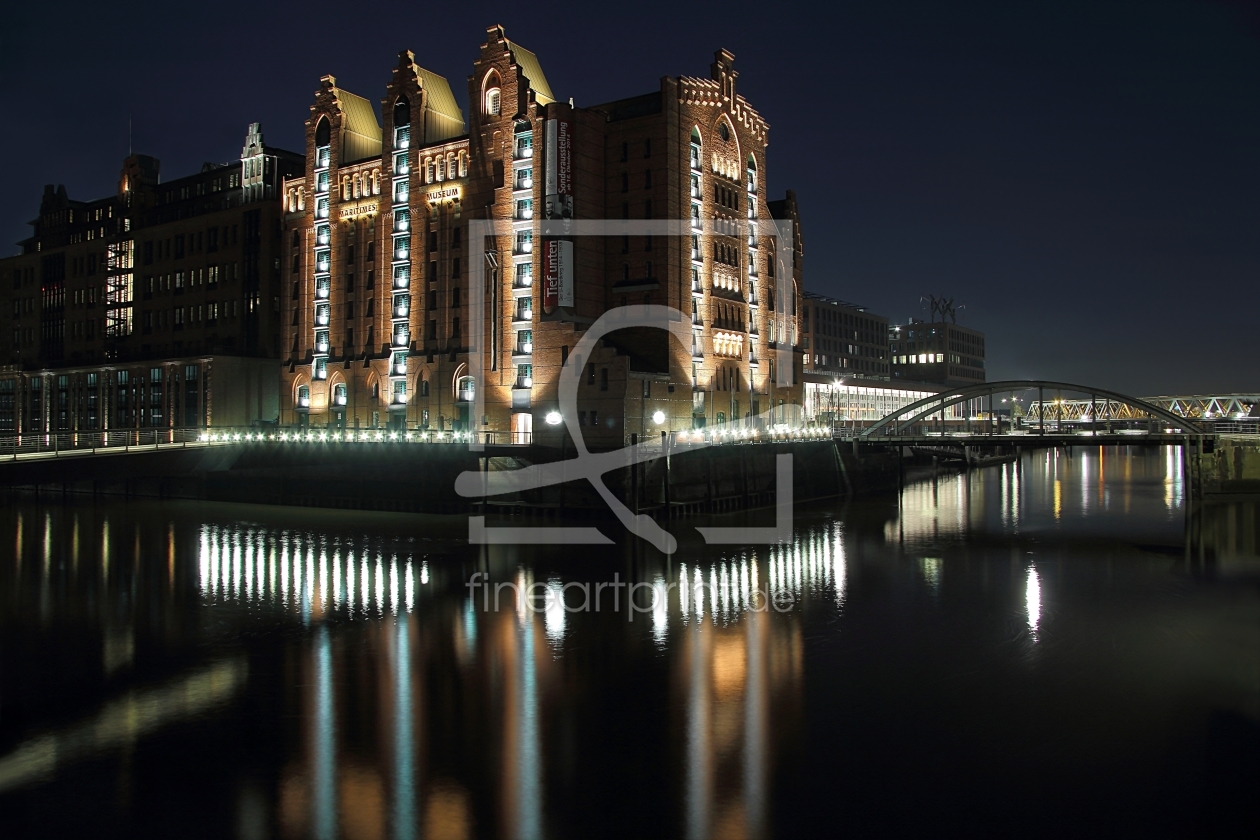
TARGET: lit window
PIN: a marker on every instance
(492, 102)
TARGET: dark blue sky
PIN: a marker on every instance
(1084, 177)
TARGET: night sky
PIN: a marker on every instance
(1085, 178)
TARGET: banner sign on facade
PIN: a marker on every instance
(557, 275)
(558, 179)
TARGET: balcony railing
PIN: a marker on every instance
(466, 394)
(524, 382)
(402, 339)
(321, 291)
(524, 315)
(402, 310)
(525, 180)
(524, 348)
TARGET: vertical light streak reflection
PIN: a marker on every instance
(1032, 601)
(393, 584)
(17, 542)
(553, 613)
(104, 551)
(528, 758)
(336, 578)
(404, 741)
(754, 728)
(324, 800)
(699, 772)
(247, 564)
(47, 543)
(205, 563)
(308, 594)
(235, 569)
(714, 595)
(410, 586)
(284, 573)
(699, 592)
(323, 580)
(379, 603)
(660, 610)
(840, 571)
(350, 590)
(470, 629)
(684, 606)
(271, 569)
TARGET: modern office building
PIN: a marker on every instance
(156, 307)
(843, 340)
(936, 352)
(386, 320)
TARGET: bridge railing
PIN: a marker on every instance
(328, 436)
(54, 444)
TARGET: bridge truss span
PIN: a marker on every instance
(1101, 404)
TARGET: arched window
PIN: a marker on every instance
(723, 131)
(467, 389)
(493, 104)
(402, 112)
(304, 396)
(339, 394)
(424, 387)
(322, 132)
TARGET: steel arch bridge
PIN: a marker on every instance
(1102, 398)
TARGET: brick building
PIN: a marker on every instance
(155, 307)
(380, 257)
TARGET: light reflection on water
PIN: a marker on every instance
(401, 703)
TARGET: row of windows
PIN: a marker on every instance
(177, 246)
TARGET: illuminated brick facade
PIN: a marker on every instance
(380, 257)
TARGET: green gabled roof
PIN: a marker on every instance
(528, 62)
(362, 137)
(440, 97)
(444, 119)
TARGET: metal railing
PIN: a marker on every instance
(55, 444)
(330, 436)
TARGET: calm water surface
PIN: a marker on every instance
(1036, 649)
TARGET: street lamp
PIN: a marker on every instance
(658, 417)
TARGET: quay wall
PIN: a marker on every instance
(403, 477)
